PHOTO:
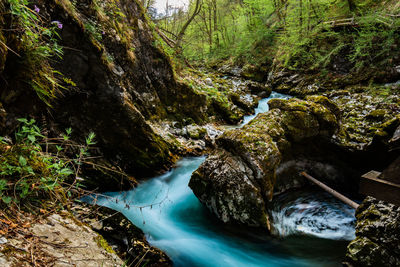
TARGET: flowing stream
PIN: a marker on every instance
(313, 227)
(263, 107)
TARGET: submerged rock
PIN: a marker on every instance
(377, 240)
(239, 178)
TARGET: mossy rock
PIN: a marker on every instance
(226, 111)
(196, 132)
(329, 104)
(240, 174)
(298, 111)
(116, 231)
(252, 72)
(378, 115)
(377, 235)
(259, 89)
(3, 119)
(391, 125)
(283, 88)
(236, 200)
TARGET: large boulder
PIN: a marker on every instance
(264, 157)
(377, 240)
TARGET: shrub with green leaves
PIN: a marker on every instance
(39, 43)
(31, 176)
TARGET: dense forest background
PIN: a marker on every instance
(294, 34)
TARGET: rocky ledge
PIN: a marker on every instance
(85, 237)
(128, 241)
(58, 240)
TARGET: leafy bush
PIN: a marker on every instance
(372, 42)
(31, 176)
(39, 43)
(293, 34)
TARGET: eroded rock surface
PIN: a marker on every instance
(59, 241)
(239, 178)
(377, 240)
(128, 241)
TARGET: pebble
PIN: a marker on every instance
(208, 82)
(3, 240)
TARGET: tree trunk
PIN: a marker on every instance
(352, 6)
(181, 33)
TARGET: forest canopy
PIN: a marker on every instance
(292, 33)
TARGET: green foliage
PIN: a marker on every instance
(39, 43)
(372, 43)
(295, 34)
(28, 132)
(39, 40)
(92, 28)
(30, 175)
(235, 30)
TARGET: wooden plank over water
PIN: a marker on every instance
(331, 191)
(372, 185)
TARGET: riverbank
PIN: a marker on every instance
(81, 237)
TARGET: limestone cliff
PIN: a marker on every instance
(115, 77)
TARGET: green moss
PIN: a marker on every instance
(378, 114)
(391, 124)
(326, 103)
(300, 124)
(197, 133)
(101, 242)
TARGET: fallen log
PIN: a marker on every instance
(336, 194)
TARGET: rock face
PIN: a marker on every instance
(395, 140)
(119, 75)
(58, 241)
(128, 241)
(239, 178)
(377, 235)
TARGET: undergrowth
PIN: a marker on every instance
(34, 171)
(39, 44)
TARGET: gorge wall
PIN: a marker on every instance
(115, 76)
